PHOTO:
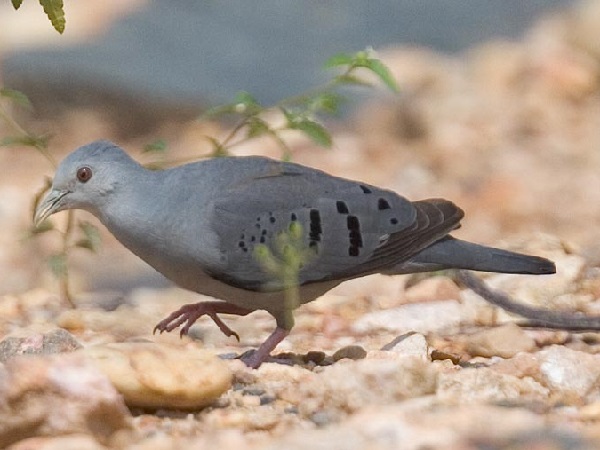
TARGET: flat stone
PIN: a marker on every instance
(569, 371)
(485, 385)
(504, 341)
(71, 442)
(56, 341)
(162, 376)
(521, 365)
(411, 344)
(57, 395)
(348, 385)
(420, 317)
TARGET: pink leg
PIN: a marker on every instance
(189, 313)
(262, 353)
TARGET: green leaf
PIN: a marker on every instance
(256, 127)
(328, 102)
(291, 116)
(266, 259)
(351, 80)
(55, 11)
(361, 58)
(295, 231)
(26, 141)
(341, 59)
(16, 96)
(17, 3)
(218, 149)
(243, 103)
(58, 265)
(245, 98)
(91, 240)
(384, 74)
(246, 104)
(158, 146)
(313, 130)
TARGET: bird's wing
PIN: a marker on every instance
(343, 229)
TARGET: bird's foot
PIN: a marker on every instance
(222, 326)
(262, 353)
(188, 314)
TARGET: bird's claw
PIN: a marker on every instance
(188, 314)
(222, 326)
(175, 319)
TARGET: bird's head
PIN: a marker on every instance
(85, 179)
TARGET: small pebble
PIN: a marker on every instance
(350, 352)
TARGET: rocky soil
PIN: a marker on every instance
(509, 130)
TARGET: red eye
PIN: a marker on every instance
(84, 174)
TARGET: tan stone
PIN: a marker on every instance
(484, 385)
(55, 395)
(504, 341)
(72, 442)
(162, 376)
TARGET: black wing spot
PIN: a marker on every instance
(342, 208)
(365, 189)
(241, 244)
(294, 217)
(354, 235)
(315, 225)
(383, 204)
(252, 238)
(394, 221)
(263, 232)
(272, 219)
(262, 239)
(353, 223)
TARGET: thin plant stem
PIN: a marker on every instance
(65, 286)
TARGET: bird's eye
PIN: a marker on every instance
(84, 174)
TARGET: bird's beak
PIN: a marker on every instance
(51, 203)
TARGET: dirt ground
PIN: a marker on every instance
(510, 131)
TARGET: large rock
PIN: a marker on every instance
(569, 371)
(162, 376)
(57, 395)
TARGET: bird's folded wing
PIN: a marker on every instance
(344, 229)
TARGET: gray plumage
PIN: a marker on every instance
(199, 224)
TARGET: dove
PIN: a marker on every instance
(216, 227)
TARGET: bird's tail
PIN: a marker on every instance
(454, 253)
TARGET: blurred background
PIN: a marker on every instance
(498, 108)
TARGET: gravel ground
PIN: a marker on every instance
(509, 131)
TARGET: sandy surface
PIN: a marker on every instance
(509, 131)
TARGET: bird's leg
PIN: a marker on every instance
(264, 351)
(189, 313)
